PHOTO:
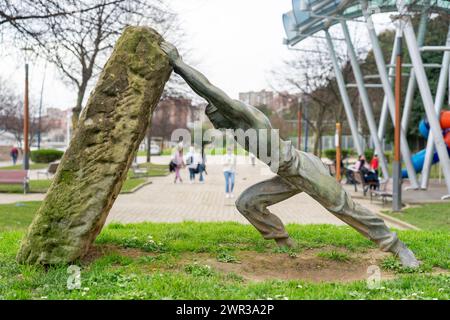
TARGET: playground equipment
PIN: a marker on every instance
(418, 158)
(315, 18)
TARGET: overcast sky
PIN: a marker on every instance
(235, 43)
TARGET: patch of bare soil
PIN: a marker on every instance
(255, 266)
(260, 266)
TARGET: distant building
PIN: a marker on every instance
(174, 113)
(7, 139)
(56, 124)
(284, 101)
(257, 98)
(276, 102)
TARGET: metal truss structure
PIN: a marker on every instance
(308, 17)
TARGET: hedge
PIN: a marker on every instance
(331, 153)
(45, 155)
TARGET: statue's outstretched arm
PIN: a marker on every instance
(200, 84)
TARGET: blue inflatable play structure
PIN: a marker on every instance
(419, 157)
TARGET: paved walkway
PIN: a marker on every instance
(164, 201)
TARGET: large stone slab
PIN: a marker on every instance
(95, 165)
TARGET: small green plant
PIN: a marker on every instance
(291, 252)
(148, 244)
(199, 270)
(45, 155)
(392, 264)
(227, 258)
(334, 255)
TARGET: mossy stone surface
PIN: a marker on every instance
(93, 168)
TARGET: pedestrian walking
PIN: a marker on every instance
(14, 154)
(178, 162)
(229, 171)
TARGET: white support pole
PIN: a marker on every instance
(438, 102)
(367, 105)
(425, 92)
(381, 66)
(384, 109)
(344, 94)
(409, 98)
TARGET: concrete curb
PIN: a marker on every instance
(146, 183)
(397, 221)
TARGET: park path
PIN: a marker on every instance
(164, 201)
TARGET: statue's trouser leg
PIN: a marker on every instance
(253, 203)
(366, 222)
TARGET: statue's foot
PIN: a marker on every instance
(406, 256)
(408, 259)
(285, 242)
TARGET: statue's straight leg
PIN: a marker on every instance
(253, 203)
(308, 173)
(365, 222)
(372, 227)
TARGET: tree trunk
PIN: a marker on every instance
(316, 142)
(149, 147)
(77, 110)
(92, 170)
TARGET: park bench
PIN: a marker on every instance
(137, 171)
(384, 192)
(359, 179)
(50, 171)
(15, 177)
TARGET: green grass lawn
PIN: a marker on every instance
(17, 216)
(165, 152)
(155, 170)
(434, 216)
(179, 261)
(41, 186)
(36, 186)
(434, 172)
(33, 166)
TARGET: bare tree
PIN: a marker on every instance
(11, 115)
(24, 16)
(77, 36)
(78, 44)
(310, 74)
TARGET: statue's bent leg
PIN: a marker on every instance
(253, 203)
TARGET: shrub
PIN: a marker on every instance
(45, 155)
(389, 156)
(368, 153)
(350, 152)
(331, 153)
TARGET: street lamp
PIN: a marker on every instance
(40, 110)
(305, 107)
(26, 116)
(397, 163)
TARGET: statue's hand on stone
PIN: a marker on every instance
(171, 52)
